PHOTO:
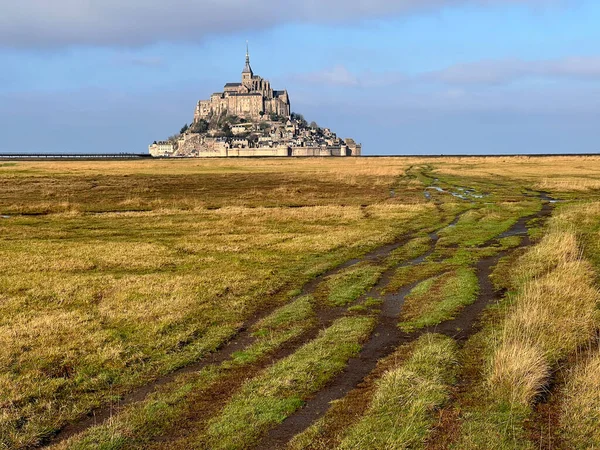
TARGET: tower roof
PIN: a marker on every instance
(247, 68)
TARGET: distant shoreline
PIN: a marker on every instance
(145, 156)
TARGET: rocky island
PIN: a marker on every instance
(250, 118)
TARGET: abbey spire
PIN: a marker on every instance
(247, 68)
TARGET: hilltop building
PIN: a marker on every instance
(251, 119)
(251, 99)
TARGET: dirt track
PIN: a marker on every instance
(387, 337)
(383, 341)
(241, 340)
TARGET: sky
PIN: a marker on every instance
(400, 77)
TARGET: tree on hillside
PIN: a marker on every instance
(233, 119)
(183, 129)
(226, 129)
(200, 126)
(314, 125)
(299, 118)
(277, 118)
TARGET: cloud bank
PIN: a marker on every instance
(58, 23)
(478, 73)
(511, 70)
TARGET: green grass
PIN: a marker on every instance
(510, 242)
(409, 274)
(402, 411)
(411, 250)
(94, 305)
(129, 273)
(438, 299)
(476, 227)
(346, 286)
(139, 424)
(269, 398)
(551, 313)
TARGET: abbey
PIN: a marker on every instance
(253, 98)
(251, 119)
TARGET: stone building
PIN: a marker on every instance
(259, 133)
(162, 148)
(250, 99)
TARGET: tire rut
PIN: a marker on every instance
(387, 337)
(325, 318)
(239, 341)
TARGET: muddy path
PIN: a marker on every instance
(543, 428)
(387, 337)
(446, 432)
(242, 339)
(199, 413)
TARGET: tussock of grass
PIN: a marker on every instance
(438, 299)
(403, 407)
(551, 314)
(269, 398)
(581, 405)
(559, 246)
(510, 242)
(518, 373)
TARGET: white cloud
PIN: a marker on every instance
(142, 61)
(510, 70)
(55, 23)
(483, 73)
(336, 76)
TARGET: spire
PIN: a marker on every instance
(247, 68)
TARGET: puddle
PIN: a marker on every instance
(4, 217)
(437, 188)
(463, 193)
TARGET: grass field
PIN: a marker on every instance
(302, 304)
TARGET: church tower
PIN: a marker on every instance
(247, 73)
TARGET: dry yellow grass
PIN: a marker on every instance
(554, 173)
(134, 268)
(581, 404)
(94, 303)
(554, 313)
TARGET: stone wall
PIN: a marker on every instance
(201, 146)
(260, 151)
(318, 151)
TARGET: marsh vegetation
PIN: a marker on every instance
(306, 304)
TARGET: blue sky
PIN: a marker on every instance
(402, 77)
